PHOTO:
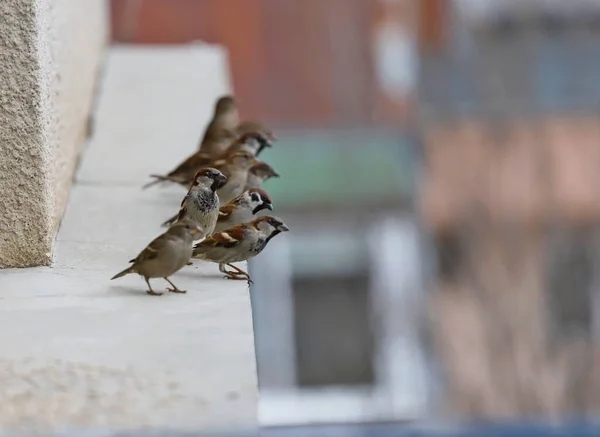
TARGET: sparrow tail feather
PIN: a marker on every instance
(123, 273)
(159, 179)
(151, 183)
(169, 222)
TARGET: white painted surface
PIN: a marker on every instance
(78, 350)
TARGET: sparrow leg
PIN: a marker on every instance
(239, 274)
(174, 289)
(235, 276)
(222, 269)
(150, 291)
(232, 274)
(239, 271)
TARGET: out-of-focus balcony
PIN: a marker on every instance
(509, 113)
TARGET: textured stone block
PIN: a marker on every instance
(50, 51)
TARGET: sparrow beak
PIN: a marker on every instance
(283, 228)
(219, 182)
(268, 206)
(274, 174)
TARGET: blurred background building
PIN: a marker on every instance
(509, 101)
(434, 151)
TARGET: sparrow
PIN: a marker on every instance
(258, 174)
(254, 126)
(252, 142)
(201, 203)
(222, 125)
(184, 173)
(243, 208)
(239, 243)
(165, 255)
(235, 167)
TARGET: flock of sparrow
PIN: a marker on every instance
(218, 220)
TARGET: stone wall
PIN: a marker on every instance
(51, 51)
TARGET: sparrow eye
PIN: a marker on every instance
(255, 197)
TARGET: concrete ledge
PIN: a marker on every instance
(92, 353)
(50, 51)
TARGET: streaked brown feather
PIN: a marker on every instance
(225, 212)
(191, 165)
(229, 238)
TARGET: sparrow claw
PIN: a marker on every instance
(235, 277)
(176, 290)
(239, 277)
(153, 293)
(190, 264)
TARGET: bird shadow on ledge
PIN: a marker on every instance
(194, 272)
(119, 290)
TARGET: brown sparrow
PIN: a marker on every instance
(184, 173)
(251, 142)
(201, 203)
(258, 174)
(243, 208)
(165, 255)
(223, 123)
(239, 243)
(235, 167)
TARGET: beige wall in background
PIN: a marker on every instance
(50, 56)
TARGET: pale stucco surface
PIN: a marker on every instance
(50, 54)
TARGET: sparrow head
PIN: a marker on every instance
(258, 199)
(263, 171)
(242, 160)
(258, 133)
(209, 178)
(249, 142)
(186, 227)
(254, 126)
(225, 104)
(270, 224)
(253, 142)
(263, 142)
